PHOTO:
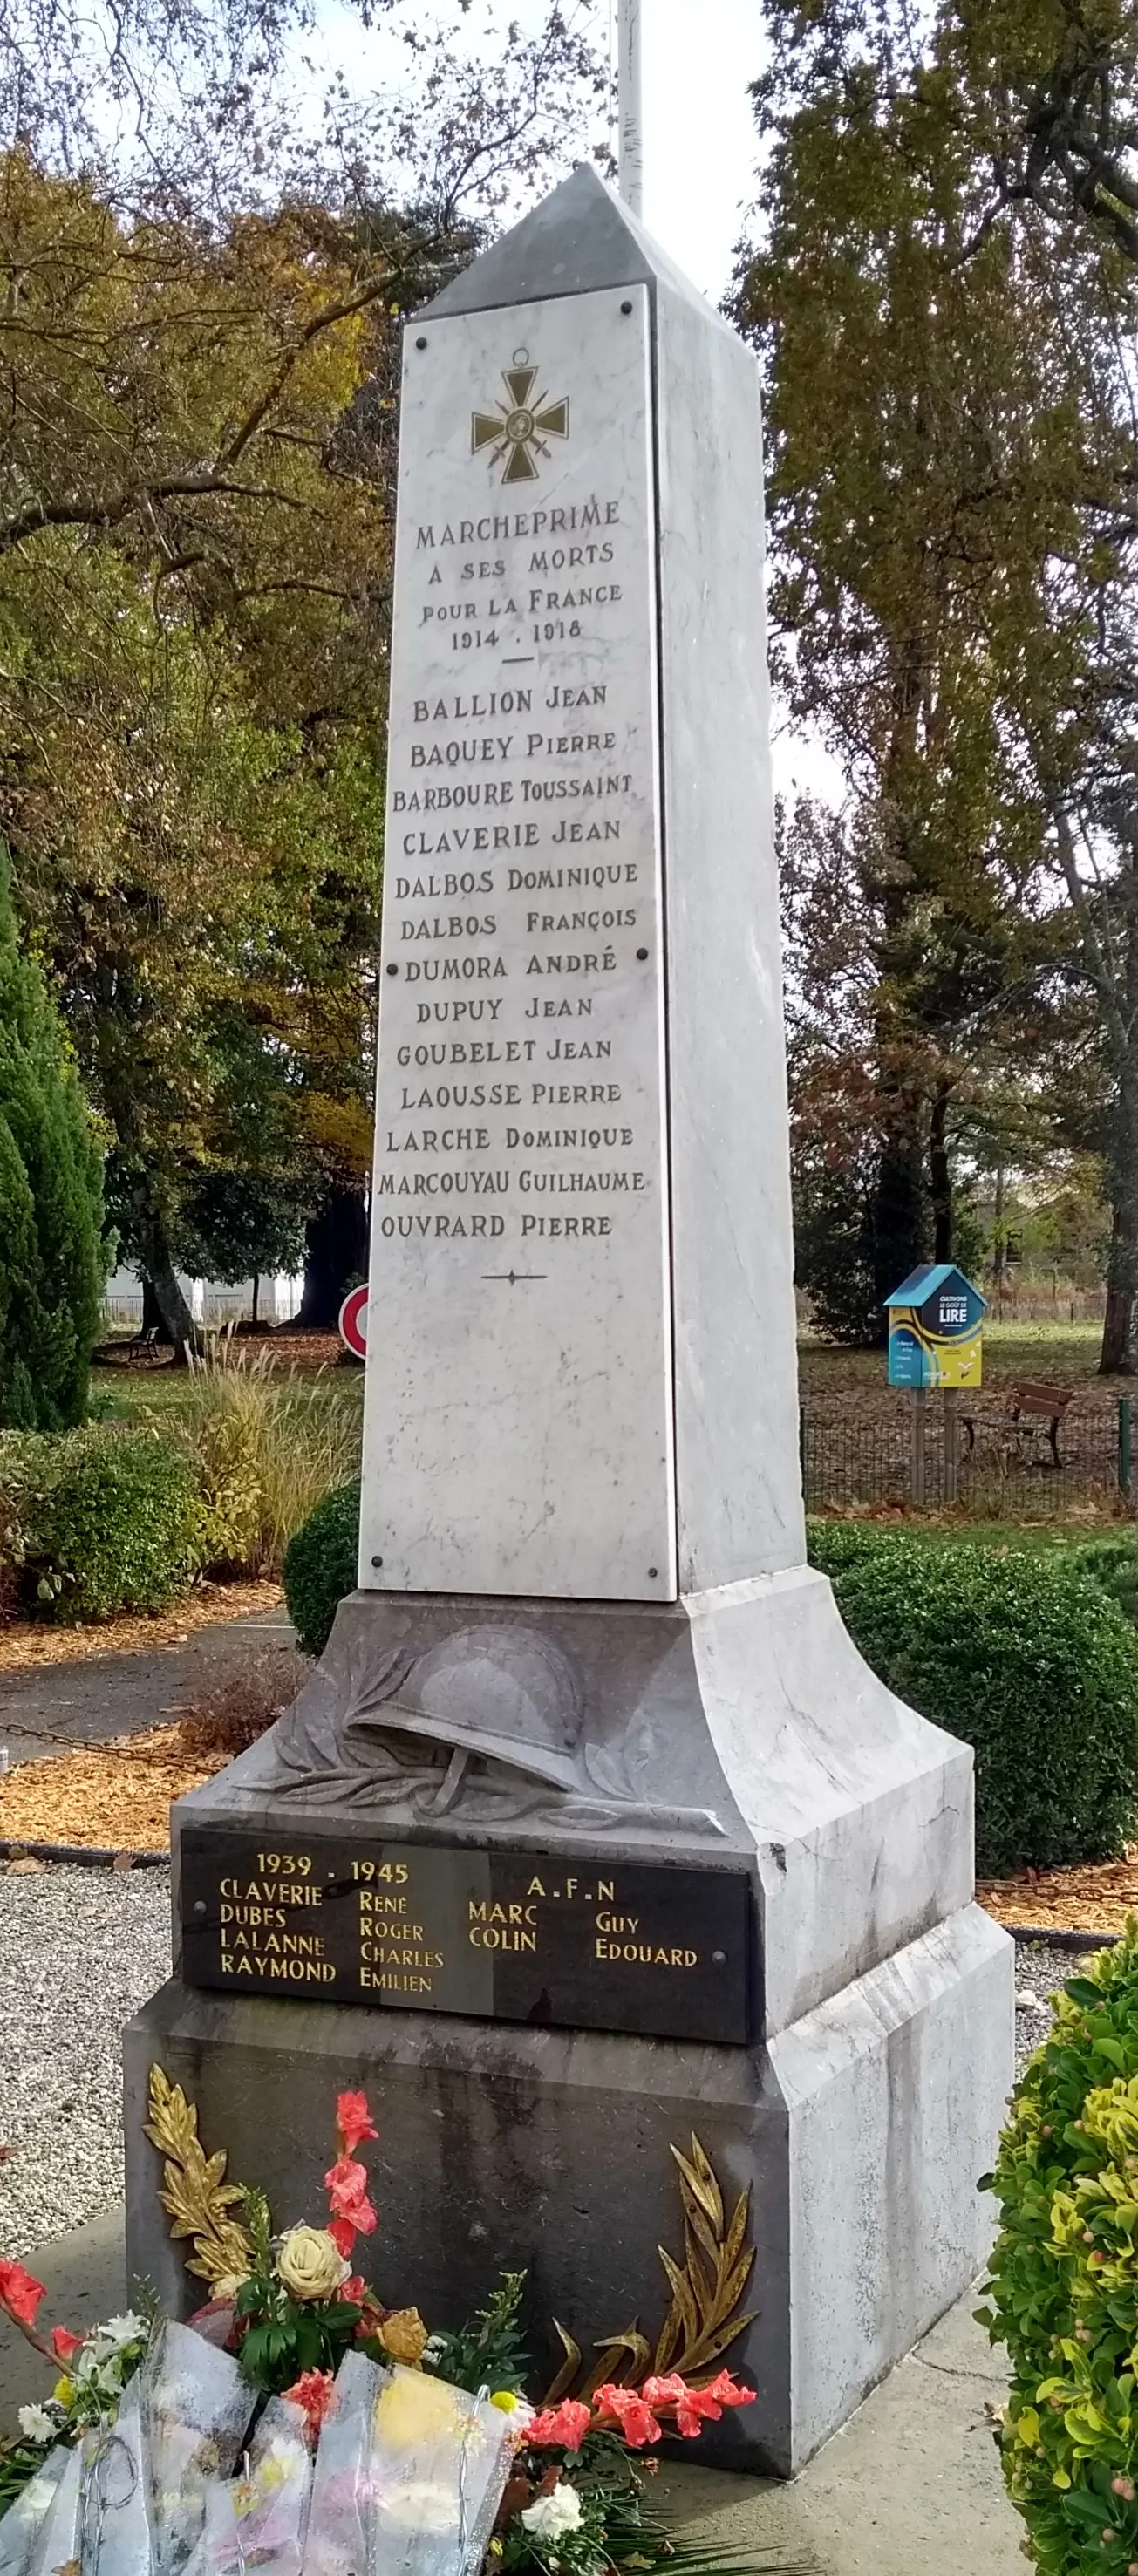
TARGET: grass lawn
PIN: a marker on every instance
(127, 1395)
(1061, 1354)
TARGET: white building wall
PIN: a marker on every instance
(209, 1301)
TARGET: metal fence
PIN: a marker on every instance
(1008, 1470)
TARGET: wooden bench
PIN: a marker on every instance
(144, 1343)
(1027, 1407)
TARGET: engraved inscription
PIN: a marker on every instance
(522, 933)
(505, 1935)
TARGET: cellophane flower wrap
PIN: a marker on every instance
(300, 2427)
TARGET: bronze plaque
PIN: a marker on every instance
(432, 1927)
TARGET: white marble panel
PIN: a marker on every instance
(518, 1428)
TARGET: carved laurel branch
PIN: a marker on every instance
(195, 2196)
(702, 2320)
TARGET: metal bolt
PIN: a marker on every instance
(200, 1905)
(394, 970)
(377, 1560)
(626, 307)
(719, 1958)
(653, 1571)
(421, 344)
(641, 953)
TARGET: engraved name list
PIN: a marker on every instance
(519, 1132)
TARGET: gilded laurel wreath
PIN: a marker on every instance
(195, 2195)
(703, 2318)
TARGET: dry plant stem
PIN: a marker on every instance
(30, 2336)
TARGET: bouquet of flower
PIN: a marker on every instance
(299, 2426)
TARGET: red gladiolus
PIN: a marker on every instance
(64, 2344)
(347, 2190)
(343, 2236)
(19, 2293)
(728, 2391)
(637, 2422)
(315, 2393)
(696, 2406)
(567, 2424)
(668, 2391)
(353, 2121)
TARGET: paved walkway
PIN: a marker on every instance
(50, 1707)
(911, 2487)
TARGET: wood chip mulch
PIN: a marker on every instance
(1095, 1896)
(33, 1641)
(106, 1797)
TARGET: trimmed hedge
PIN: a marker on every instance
(1113, 1562)
(1061, 2288)
(1024, 1657)
(118, 1528)
(320, 1565)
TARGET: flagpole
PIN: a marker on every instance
(629, 87)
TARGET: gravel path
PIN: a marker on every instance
(80, 1949)
(1039, 1970)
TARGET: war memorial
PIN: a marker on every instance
(591, 1831)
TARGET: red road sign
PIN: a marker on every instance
(353, 1322)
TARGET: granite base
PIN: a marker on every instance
(860, 2131)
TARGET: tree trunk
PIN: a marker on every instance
(1116, 1358)
(940, 1176)
(336, 1248)
(151, 1311)
(897, 1216)
(158, 1267)
(256, 1286)
(1117, 1354)
(999, 1239)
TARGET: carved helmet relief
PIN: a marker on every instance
(502, 1692)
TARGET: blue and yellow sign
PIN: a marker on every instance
(936, 1322)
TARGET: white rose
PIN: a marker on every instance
(36, 2424)
(310, 2263)
(550, 2516)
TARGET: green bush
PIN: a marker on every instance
(1021, 1655)
(114, 1525)
(1062, 2291)
(1113, 1563)
(320, 1565)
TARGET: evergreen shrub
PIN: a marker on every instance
(320, 1565)
(1062, 2291)
(112, 1523)
(52, 1251)
(1024, 1657)
(1113, 1562)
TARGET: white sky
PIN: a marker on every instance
(699, 130)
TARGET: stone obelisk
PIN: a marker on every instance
(614, 1835)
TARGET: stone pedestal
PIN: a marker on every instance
(859, 2131)
(590, 1707)
(740, 1726)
